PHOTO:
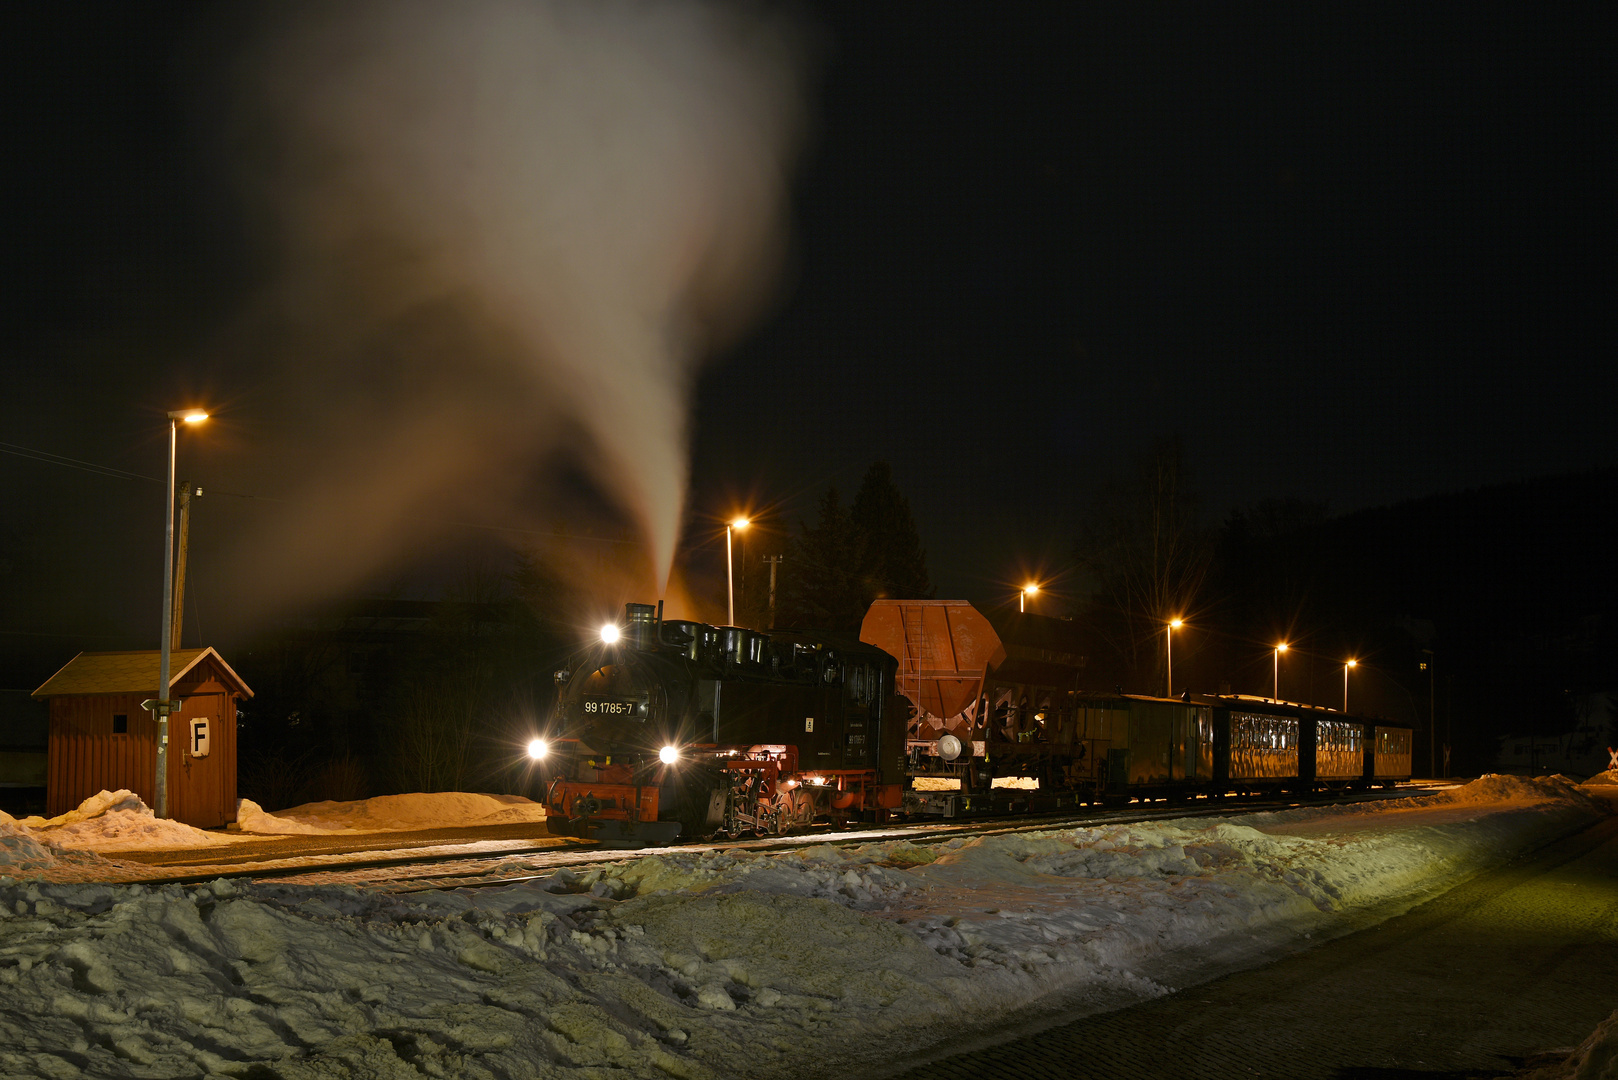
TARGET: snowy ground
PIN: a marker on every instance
(119, 821)
(828, 961)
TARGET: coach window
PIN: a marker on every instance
(120, 723)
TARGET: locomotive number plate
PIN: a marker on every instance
(605, 707)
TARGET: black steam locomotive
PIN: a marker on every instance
(674, 728)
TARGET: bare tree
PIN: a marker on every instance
(1148, 552)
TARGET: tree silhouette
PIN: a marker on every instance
(852, 556)
(894, 560)
(1148, 552)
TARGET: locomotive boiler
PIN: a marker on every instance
(666, 729)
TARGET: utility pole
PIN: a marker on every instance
(774, 561)
(178, 615)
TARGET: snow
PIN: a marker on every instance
(713, 963)
(1594, 1059)
(391, 813)
(119, 821)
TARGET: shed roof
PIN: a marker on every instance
(131, 672)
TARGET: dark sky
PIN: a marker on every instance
(1352, 256)
(1355, 257)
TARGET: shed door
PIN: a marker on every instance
(197, 784)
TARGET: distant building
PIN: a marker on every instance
(1580, 751)
(101, 738)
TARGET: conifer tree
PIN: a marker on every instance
(895, 565)
(852, 556)
(824, 587)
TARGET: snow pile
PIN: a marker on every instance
(706, 964)
(1499, 787)
(390, 813)
(25, 854)
(1603, 779)
(117, 821)
(19, 851)
(1596, 1058)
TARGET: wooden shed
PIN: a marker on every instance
(101, 738)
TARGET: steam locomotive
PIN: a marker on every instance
(667, 729)
(675, 728)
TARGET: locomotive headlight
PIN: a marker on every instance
(669, 755)
(538, 748)
(609, 633)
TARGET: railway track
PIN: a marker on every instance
(515, 863)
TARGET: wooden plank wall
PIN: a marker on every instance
(86, 757)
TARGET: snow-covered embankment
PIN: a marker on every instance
(714, 964)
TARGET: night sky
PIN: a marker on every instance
(1354, 257)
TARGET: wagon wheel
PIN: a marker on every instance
(803, 807)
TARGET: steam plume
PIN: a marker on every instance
(509, 231)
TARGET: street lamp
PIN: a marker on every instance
(163, 706)
(1022, 597)
(1279, 649)
(1346, 665)
(730, 565)
(1168, 638)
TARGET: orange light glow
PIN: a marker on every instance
(740, 523)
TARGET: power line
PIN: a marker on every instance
(72, 463)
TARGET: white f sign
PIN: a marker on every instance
(199, 738)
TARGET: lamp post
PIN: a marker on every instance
(1168, 638)
(1279, 649)
(163, 706)
(1028, 590)
(730, 564)
(1432, 721)
(1346, 665)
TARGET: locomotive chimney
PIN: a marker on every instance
(642, 623)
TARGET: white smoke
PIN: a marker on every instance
(511, 230)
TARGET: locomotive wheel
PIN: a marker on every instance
(696, 787)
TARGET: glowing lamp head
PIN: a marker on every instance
(609, 634)
(669, 755)
(1353, 663)
(740, 523)
(538, 748)
(1175, 624)
(1281, 647)
(1030, 590)
(189, 416)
